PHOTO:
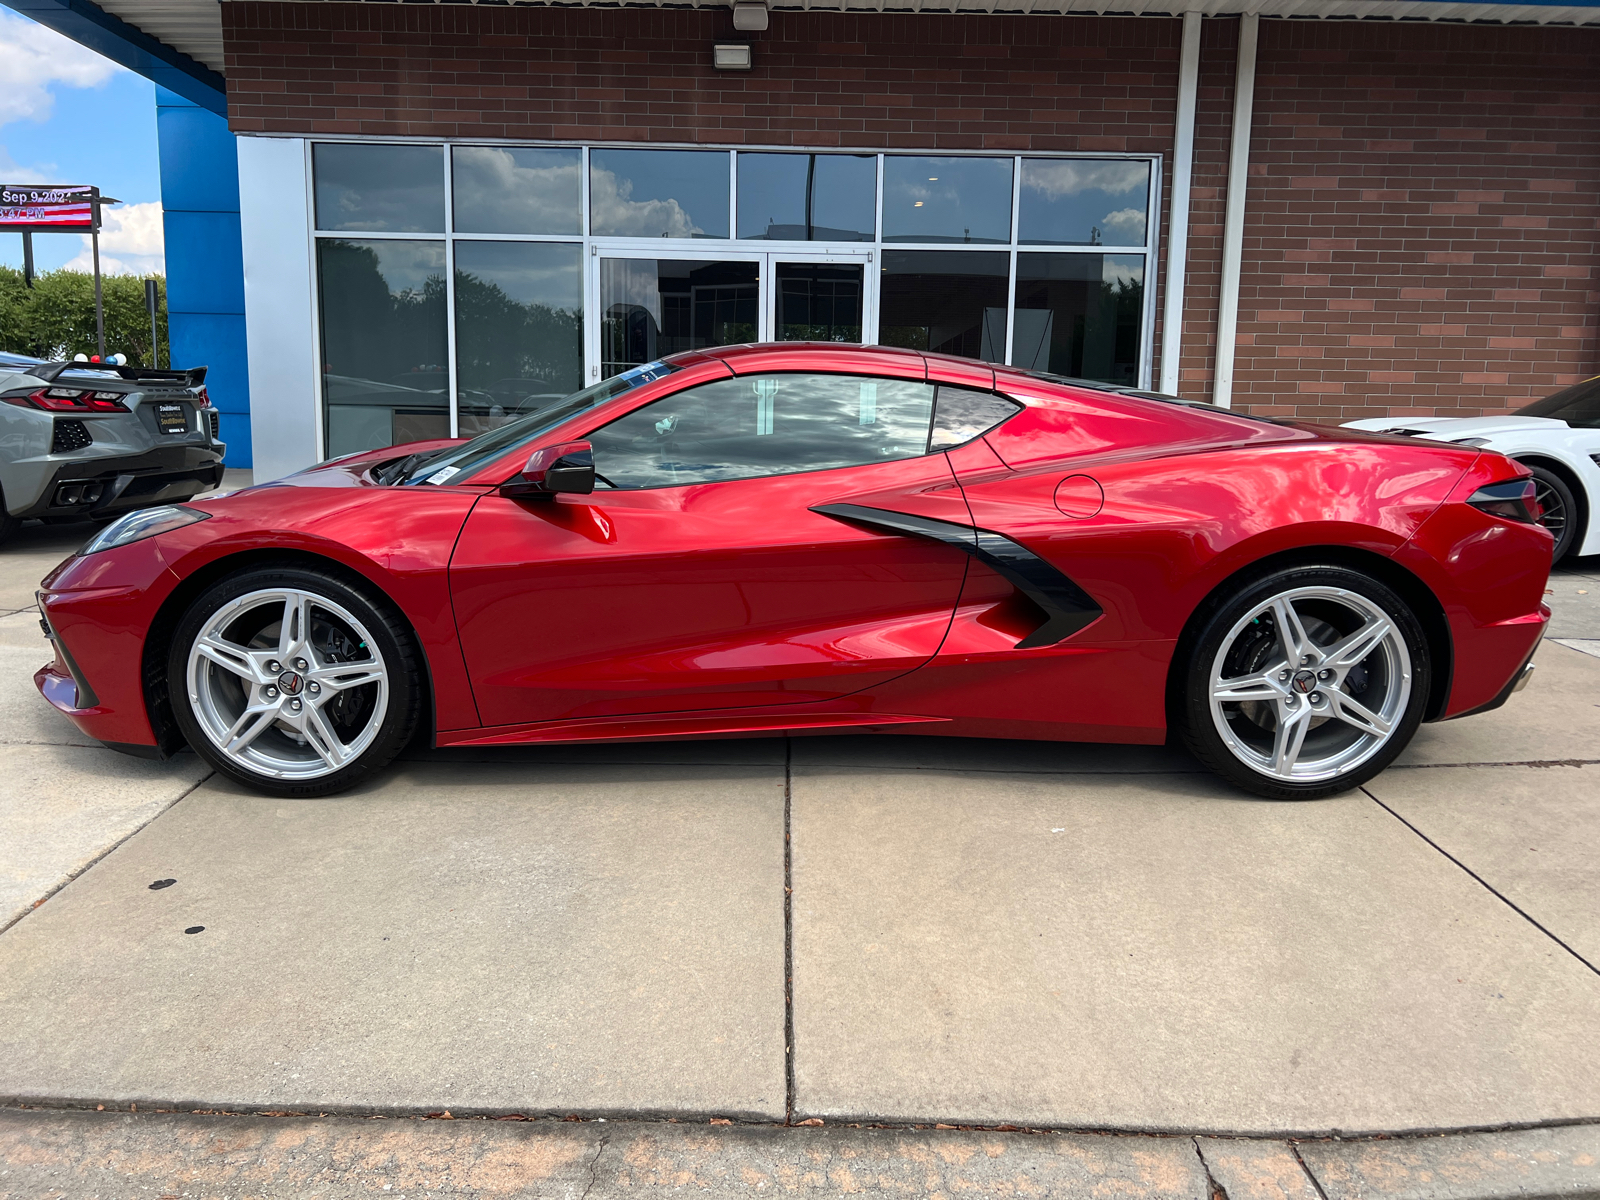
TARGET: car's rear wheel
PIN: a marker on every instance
(8, 523)
(1560, 510)
(292, 681)
(1305, 683)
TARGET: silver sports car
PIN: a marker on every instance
(82, 439)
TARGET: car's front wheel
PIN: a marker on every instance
(1305, 683)
(292, 681)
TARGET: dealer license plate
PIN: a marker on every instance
(172, 418)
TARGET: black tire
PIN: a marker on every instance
(1560, 510)
(385, 645)
(1331, 603)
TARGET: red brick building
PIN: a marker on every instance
(446, 209)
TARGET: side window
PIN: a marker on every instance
(961, 415)
(764, 425)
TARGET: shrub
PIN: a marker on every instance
(54, 319)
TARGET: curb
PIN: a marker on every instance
(54, 1153)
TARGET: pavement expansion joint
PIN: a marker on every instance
(1484, 883)
(79, 871)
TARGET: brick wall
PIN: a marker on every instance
(1423, 219)
(1423, 198)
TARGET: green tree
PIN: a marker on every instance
(54, 319)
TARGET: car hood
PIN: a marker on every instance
(1452, 428)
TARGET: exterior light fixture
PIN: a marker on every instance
(751, 17)
(730, 56)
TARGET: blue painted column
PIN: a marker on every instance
(205, 267)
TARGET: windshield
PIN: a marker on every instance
(1578, 405)
(443, 466)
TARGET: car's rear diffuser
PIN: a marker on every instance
(677, 725)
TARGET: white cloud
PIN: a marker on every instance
(131, 242)
(12, 171)
(1125, 227)
(616, 212)
(32, 58)
(1058, 177)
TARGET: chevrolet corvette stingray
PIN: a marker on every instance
(800, 538)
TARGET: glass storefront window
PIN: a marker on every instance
(503, 189)
(378, 188)
(1080, 315)
(659, 193)
(650, 308)
(1090, 202)
(384, 376)
(519, 329)
(945, 301)
(808, 197)
(818, 302)
(964, 200)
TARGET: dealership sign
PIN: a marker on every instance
(38, 208)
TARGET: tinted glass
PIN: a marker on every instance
(504, 190)
(1578, 405)
(946, 199)
(650, 308)
(765, 425)
(819, 302)
(1079, 315)
(1079, 201)
(658, 193)
(383, 342)
(808, 197)
(381, 189)
(519, 329)
(946, 301)
(960, 414)
(485, 448)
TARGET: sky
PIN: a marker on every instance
(68, 115)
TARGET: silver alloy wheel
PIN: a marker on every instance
(1310, 684)
(287, 683)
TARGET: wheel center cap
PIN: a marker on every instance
(1302, 682)
(290, 684)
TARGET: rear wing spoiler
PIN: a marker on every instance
(193, 377)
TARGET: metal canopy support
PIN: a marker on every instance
(90, 25)
(1233, 230)
(1178, 236)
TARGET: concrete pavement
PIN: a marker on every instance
(978, 932)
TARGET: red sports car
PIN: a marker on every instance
(799, 538)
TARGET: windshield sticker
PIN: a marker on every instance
(646, 374)
(443, 476)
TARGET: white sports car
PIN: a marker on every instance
(1557, 438)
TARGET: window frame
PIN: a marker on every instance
(731, 247)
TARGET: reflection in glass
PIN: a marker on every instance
(1077, 201)
(658, 193)
(500, 189)
(519, 329)
(1080, 315)
(383, 342)
(945, 301)
(382, 189)
(818, 302)
(650, 308)
(946, 199)
(807, 197)
(766, 425)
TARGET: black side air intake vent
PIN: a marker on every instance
(70, 435)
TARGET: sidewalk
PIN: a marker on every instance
(899, 930)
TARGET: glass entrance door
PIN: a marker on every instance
(652, 305)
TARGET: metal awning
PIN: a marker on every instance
(178, 43)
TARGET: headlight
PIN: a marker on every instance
(147, 522)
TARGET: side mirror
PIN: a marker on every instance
(568, 467)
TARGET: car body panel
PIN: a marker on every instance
(1525, 439)
(737, 607)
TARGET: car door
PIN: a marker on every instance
(698, 576)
